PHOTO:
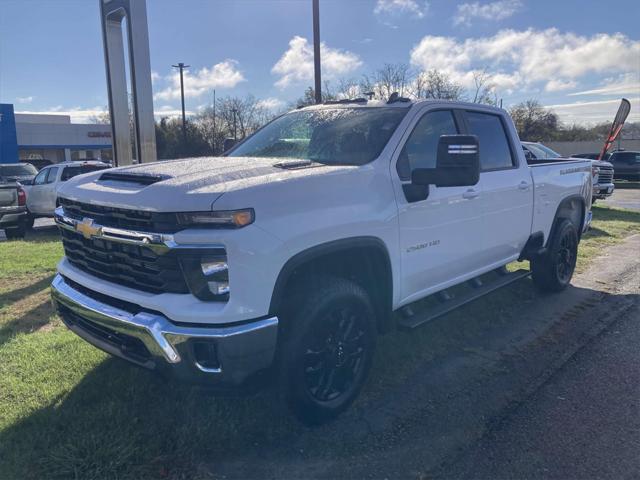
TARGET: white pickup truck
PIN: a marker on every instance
(288, 256)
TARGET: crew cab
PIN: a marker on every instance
(602, 171)
(287, 257)
(13, 210)
(42, 190)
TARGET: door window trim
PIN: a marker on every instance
(515, 160)
(418, 118)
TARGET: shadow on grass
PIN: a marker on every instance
(35, 318)
(613, 214)
(596, 232)
(12, 296)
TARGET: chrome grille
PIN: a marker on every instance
(605, 175)
(133, 266)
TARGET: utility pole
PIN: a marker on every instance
(182, 66)
(214, 121)
(235, 135)
(316, 51)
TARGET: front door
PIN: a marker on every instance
(440, 238)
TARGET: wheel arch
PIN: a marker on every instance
(364, 259)
(572, 208)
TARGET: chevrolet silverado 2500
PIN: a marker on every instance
(291, 253)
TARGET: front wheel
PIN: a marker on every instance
(327, 350)
(553, 270)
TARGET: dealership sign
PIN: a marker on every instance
(99, 134)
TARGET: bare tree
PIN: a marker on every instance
(437, 85)
(392, 77)
(534, 122)
(484, 87)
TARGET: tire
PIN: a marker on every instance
(553, 270)
(28, 223)
(15, 233)
(328, 345)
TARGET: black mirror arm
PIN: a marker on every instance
(425, 176)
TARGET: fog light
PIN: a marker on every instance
(211, 267)
(218, 288)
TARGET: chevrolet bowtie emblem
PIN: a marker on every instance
(87, 228)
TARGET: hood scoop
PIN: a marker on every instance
(135, 178)
(296, 164)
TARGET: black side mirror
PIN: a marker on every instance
(228, 144)
(457, 163)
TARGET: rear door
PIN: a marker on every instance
(438, 225)
(507, 188)
(49, 191)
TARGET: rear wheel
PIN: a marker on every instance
(15, 233)
(327, 351)
(552, 271)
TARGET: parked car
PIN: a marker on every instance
(42, 191)
(626, 163)
(13, 210)
(289, 255)
(40, 163)
(602, 172)
(18, 172)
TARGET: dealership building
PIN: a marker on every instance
(25, 137)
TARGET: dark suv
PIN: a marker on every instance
(626, 164)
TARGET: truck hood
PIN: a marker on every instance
(191, 184)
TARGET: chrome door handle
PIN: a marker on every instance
(523, 185)
(471, 193)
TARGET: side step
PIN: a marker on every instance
(478, 291)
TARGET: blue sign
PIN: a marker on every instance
(8, 137)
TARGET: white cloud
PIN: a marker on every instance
(222, 75)
(495, 11)
(24, 99)
(522, 59)
(398, 7)
(170, 112)
(628, 83)
(593, 112)
(271, 103)
(555, 85)
(77, 114)
(155, 76)
(296, 64)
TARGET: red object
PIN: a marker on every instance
(616, 126)
(22, 197)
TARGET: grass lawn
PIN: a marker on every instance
(67, 410)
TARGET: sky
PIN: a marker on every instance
(577, 56)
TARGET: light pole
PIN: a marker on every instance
(316, 51)
(182, 66)
(235, 135)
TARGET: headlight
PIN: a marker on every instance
(207, 275)
(220, 219)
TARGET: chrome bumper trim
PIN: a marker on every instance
(242, 349)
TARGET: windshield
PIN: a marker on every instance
(629, 157)
(71, 172)
(352, 136)
(18, 170)
(540, 151)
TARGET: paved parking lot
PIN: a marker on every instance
(624, 198)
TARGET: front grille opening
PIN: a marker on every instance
(128, 265)
(131, 347)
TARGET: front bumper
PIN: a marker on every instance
(152, 341)
(603, 190)
(12, 216)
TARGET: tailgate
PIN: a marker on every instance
(8, 195)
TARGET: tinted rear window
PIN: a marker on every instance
(71, 172)
(627, 157)
(492, 139)
(17, 170)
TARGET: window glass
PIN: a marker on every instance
(625, 157)
(41, 178)
(421, 148)
(53, 172)
(71, 172)
(492, 140)
(18, 170)
(347, 136)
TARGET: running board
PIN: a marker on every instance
(427, 315)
